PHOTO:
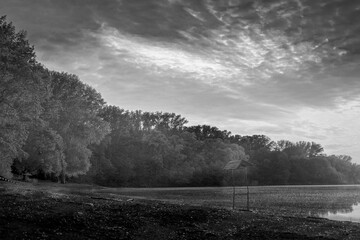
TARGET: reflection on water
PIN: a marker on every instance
(352, 215)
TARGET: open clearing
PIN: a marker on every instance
(54, 211)
(308, 200)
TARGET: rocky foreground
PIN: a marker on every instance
(38, 214)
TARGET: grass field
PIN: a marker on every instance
(73, 211)
(285, 200)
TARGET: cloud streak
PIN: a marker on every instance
(239, 50)
(163, 57)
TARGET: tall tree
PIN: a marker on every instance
(77, 121)
(44, 148)
(203, 132)
(19, 93)
(300, 149)
(254, 143)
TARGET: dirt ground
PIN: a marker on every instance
(31, 213)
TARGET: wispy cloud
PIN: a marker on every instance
(164, 58)
(244, 49)
(240, 56)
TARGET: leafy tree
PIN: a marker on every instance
(315, 149)
(301, 148)
(19, 93)
(169, 122)
(203, 132)
(254, 143)
(343, 165)
(44, 148)
(77, 121)
(282, 145)
(274, 170)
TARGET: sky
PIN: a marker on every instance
(288, 69)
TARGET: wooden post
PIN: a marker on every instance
(247, 190)
(233, 203)
(62, 174)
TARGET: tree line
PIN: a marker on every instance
(53, 126)
(47, 119)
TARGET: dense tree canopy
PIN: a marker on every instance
(48, 119)
(19, 92)
(196, 155)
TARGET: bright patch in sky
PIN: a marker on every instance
(162, 57)
(241, 56)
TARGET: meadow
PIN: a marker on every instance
(302, 201)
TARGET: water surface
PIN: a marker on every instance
(353, 215)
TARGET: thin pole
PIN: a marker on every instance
(233, 203)
(247, 190)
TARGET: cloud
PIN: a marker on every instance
(162, 57)
(251, 53)
(195, 14)
(336, 147)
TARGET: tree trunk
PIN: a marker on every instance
(63, 176)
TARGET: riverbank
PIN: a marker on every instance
(29, 212)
